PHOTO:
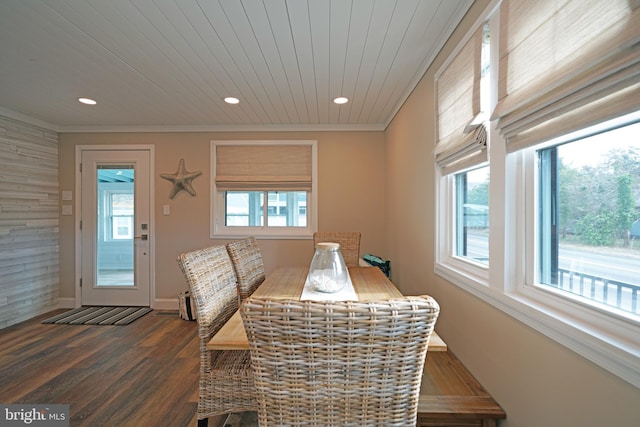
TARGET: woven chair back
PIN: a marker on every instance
(212, 281)
(247, 263)
(226, 377)
(349, 244)
(338, 363)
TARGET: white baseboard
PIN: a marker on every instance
(66, 302)
(166, 304)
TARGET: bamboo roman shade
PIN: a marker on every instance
(259, 167)
(461, 140)
(472, 150)
(565, 65)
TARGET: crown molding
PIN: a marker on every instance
(224, 128)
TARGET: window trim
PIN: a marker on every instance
(605, 339)
(219, 230)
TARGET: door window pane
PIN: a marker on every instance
(115, 244)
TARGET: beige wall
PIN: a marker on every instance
(537, 381)
(350, 192)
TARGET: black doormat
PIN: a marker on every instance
(99, 316)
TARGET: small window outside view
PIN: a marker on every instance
(122, 213)
(590, 219)
(284, 208)
(472, 215)
(287, 208)
(472, 187)
(244, 208)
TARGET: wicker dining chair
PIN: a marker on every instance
(349, 244)
(338, 363)
(226, 378)
(247, 263)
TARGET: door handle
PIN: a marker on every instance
(142, 237)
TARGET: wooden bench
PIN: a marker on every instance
(451, 396)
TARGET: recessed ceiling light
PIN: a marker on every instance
(231, 100)
(341, 100)
(87, 101)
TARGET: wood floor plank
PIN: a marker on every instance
(145, 373)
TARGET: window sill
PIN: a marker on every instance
(618, 354)
(283, 233)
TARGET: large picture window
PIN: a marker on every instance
(589, 220)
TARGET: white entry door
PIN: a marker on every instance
(115, 227)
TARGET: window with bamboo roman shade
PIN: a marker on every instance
(565, 65)
(461, 131)
(565, 109)
(284, 167)
(266, 189)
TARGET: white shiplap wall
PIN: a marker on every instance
(29, 279)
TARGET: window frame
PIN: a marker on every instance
(508, 283)
(107, 190)
(218, 229)
(449, 266)
(453, 267)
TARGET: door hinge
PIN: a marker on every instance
(80, 224)
(81, 282)
(80, 167)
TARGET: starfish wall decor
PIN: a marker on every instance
(181, 180)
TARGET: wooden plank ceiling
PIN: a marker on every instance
(169, 63)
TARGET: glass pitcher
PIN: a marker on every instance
(328, 272)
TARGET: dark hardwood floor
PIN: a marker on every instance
(142, 374)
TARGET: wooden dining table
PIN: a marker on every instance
(369, 284)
